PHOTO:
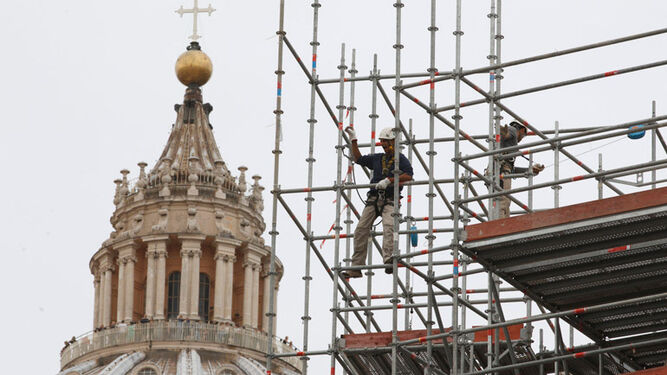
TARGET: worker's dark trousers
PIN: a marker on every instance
(504, 201)
(363, 231)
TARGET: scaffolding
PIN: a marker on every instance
(503, 345)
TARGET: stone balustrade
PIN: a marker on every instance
(174, 331)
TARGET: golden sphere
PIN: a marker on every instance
(194, 67)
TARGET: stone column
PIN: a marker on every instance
(185, 284)
(275, 308)
(194, 285)
(247, 294)
(220, 276)
(96, 309)
(150, 281)
(256, 269)
(224, 276)
(229, 290)
(161, 253)
(266, 298)
(190, 245)
(129, 288)
(120, 297)
(106, 314)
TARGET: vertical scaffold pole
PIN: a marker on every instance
(348, 176)
(339, 187)
(600, 186)
(556, 167)
(309, 195)
(464, 265)
(431, 168)
(493, 169)
(457, 198)
(276, 186)
(408, 225)
(373, 116)
(498, 80)
(653, 145)
(396, 214)
(492, 202)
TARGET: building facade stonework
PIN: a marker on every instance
(181, 284)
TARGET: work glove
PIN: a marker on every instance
(383, 184)
(537, 168)
(351, 133)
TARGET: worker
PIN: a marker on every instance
(380, 198)
(510, 136)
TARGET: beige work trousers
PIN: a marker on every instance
(363, 231)
(504, 201)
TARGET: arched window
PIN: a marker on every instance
(147, 371)
(204, 291)
(173, 294)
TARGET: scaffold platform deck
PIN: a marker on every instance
(589, 254)
(370, 353)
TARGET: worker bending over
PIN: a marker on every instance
(380, 201)
(511, 136)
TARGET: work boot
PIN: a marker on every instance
(389, 269)
(352, 274)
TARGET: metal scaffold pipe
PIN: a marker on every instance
(309, 196)
(276, 168)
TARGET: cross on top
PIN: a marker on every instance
(195, 10)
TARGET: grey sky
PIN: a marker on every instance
(89, 88)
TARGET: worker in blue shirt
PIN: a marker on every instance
(511, 136)
(380, 199)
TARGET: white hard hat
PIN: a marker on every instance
(387, 133)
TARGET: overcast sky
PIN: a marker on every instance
(89, 87)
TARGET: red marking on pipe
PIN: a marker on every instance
(569, 349)
(530, 133)
(466, 136)
(609, 74)
(493, 300)
(280, 85)
(314, 57)
(399, 305)
(340, 126)
(577, 178)
(309, 217)
(333, 370)
(470, 290)
(349, 169)
(474, 214)
(580, 310)
(400, 265)
(424, 252)
(579, 355)
(378, 143)
(342, 236)
(526, 152)
(456, 262)
(307, 189)
(416, 100)
(618, 248)
(300, 354)
(432, 86)
(345, 79)
(376, 296)
(424, 81)
(413, 355)
(425, 218)
(524, 207)
(422, 339)
(436, 73)
(579, 162)
(525, 122)
(462, 104)
(475, 172)
(409, 198)
(497, 138)
(373, 134)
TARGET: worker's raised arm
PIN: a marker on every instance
(354, 148)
